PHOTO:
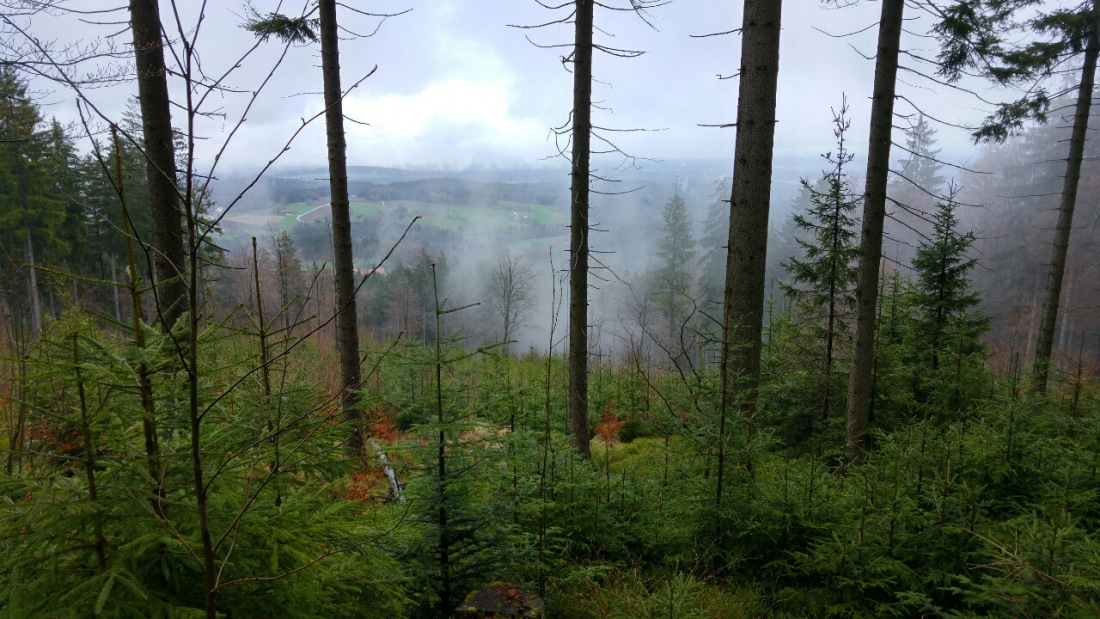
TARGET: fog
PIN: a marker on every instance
(461, 97)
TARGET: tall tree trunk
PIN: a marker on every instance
(445, 602)
(830, 334)
(117, 296)
(861, 379)
(283, 264)
(578, 222)
(1033, 316)
(160, 160)
(1041, 370)
(743, 307)
(347, 328)
(32, 288)
(28, 252)
(1064, 335)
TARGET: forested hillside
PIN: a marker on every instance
(860, 384)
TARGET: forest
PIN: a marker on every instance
(860, 384)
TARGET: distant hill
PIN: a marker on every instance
(540, 185)
(380, 184)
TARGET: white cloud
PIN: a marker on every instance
(458, 114)
(485, 103)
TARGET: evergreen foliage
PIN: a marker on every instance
(917, 185)
(982, 36)
(986, 513)
(921, 166)
(122, 543)
(35, 208)
(823, 280)
(101, 184)
(674, 279)
(126, 445)
(297, 30)
(288, 276)
(826, 271)
(948, 325)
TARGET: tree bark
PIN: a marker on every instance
(1041, 369)
(117, 296)
(32, 288)
(750, 200)
(347, 328)
(578, 222)
(160, 160)
(861, 379)
(28, 252)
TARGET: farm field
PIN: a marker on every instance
(455, 218)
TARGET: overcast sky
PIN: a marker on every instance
(457, 87)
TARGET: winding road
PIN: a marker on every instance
(310, 211)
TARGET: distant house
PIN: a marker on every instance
(381, 272)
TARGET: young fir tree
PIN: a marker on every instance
(948, 325)
(462, 537)
(288, 276)
(675, 249)
(823, 281)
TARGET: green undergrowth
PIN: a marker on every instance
(987, 510)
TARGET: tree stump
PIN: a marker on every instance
(500, 600)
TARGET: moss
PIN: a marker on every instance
(500, 599)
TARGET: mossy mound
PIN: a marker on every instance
(500, 600)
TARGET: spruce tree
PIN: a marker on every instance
(916, 183)
(33, 212)
(750, 201)
(325, 28)
(861, 376)
(947, 321)
(99, 182)
(920, 165)
(159, 150)
(464, 538)
(579, 192)
(824, 280)
(61, 165)
(288, 276)
(675, 250)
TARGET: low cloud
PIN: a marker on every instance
(463, 118)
